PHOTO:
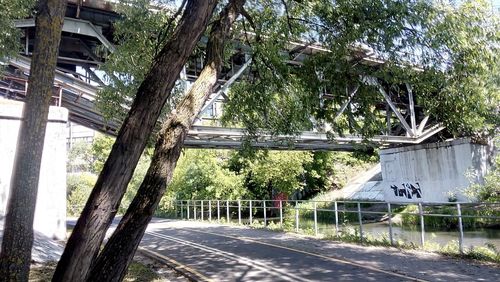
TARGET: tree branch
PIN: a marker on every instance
(166, 27)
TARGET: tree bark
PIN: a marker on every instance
(86, 239)
(112, 263)
(15, 257)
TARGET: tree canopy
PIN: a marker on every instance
(448, 52)
(12, 10)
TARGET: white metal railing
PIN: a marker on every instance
(334, 213)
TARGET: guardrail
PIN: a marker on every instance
(330, 217)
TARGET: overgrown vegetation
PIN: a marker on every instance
(9, 37)
(219, 174)
(85, 161)
(490, 190)
(473, 216)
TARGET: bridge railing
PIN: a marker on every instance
(395, 223)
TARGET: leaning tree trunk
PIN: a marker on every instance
(15, 257)
(112, 263)
(102, 205)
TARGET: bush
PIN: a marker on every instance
(490, 190)
(410, 216)
(79, 187)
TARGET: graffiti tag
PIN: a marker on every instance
(407, 190)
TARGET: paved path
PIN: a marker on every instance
(227, 253)
(44, 248)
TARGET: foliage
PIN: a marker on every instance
(466, 78)
(273, 172)
(101, 147)
(410, 216)
(88, 160)
(80, 157)
(139, 35)
(320, 171)
(490, 190)
(447, 52)
(200, 174)
(9, 37)
(488, 252)
(277, 172)
(216, 174)
(78, 190)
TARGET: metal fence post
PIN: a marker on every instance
(218, 211)
(422, 227)
(182, 209)
(194, 208)
(360, 217)
(281, 213)
(296, 217)
(460, 229)
(176, 212)
(315, 220)
(227, 211)
(336, 218)
(251, 211)
(209, 210)
(265, 213)
(239, 212)
(188, 209)
(389, 212)
(201, 209)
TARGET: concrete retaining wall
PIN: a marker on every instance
(50, 215)
(432, 172)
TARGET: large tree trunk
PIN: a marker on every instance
(17, 241)
(86, 239)
(118, 252)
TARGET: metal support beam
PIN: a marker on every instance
(422, 125)
(75, 26)
(395, 110)
(412, 109)
(94, 76)
(346, 103)
(226, 86)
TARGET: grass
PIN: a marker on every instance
(488, 252)
(137, 272)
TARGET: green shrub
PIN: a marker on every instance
(78, 190)
(410, 216)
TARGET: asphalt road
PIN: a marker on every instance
(212, 252)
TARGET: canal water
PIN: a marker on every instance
(476, 238)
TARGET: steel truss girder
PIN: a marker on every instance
(218, 137)
(75, 26)
(79, 97)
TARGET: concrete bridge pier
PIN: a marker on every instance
(50, 214)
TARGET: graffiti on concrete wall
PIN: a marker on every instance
(407, 190)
